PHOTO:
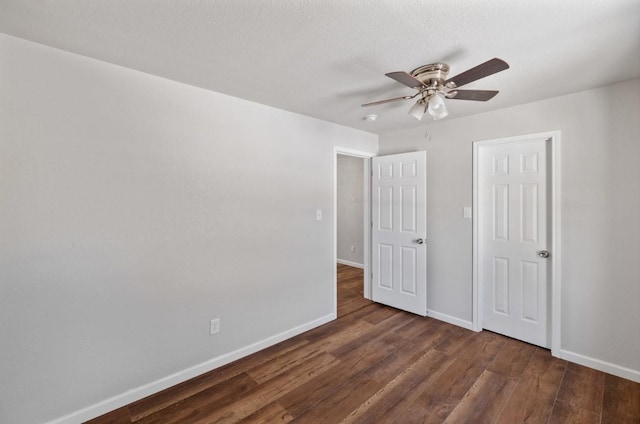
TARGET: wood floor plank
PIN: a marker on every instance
(435, 400)
(410, 408)
(566, 413)
(358, 314)
(260, 396)
(352, 363)
(348, 306)
(531, 402)
(273, 413)
(582, 387)
(344, 336)
(340, 401)
(276, 366)
(361, 354)
(484, 401)
(458, 341)
(389, 395)
(191, 408)
(533, 397)
(348, 296)
(329, 330)
(621, 403)
(512, 358)
(407, 353)
(417, 326)
(383, 314)
(546, 367)
(390, 324)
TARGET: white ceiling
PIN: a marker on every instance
(325, 58)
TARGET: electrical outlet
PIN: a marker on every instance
(353, 249)
(215, 326)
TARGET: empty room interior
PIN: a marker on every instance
(319, 211)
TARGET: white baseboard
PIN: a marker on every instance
(349, 263)
(451, 320)
(608, 367)
(138, 393)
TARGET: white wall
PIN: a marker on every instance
(600, 220)
(350, 209)
(133, 210)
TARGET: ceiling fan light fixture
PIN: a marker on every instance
(437, 107)
(418, 110)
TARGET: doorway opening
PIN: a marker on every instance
(350, 211)
(351, 200)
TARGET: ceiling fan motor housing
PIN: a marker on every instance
(432, 75)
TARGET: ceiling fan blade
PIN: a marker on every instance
(479, 95)
(406, 79)
(395, 99)
(483, 70)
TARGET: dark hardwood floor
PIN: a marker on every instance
(375, 364)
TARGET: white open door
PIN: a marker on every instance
(398, 234)
(513, 239)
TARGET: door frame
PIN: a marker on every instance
(366, 218)
(554, 305)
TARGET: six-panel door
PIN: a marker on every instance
(399, 251)
(512, 219)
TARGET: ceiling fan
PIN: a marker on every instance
(433, 87)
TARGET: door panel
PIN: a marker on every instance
(529, 213)
(512, 227)
(501, 285)
(408, 269)
(530, 280)
(385, 269)
(408, 200)
(399, 220)
(500, 212)
(385, 208)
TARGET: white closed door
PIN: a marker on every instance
(513, 239)
(398, 236)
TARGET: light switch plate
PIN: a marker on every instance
(319, 214)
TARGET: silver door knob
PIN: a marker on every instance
(420, 241)
(543, 253)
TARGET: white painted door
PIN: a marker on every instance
(512, 233)
(398, 236)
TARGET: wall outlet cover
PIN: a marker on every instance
(214, 326)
